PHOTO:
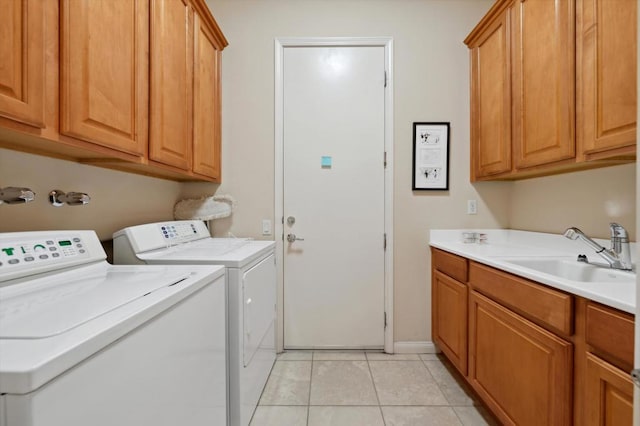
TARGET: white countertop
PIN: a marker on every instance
(507, 243)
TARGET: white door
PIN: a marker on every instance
(333, 196)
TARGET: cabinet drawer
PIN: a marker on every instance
(450, 264)
(542, 305)
(611, 332)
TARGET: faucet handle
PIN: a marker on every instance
(14, 195)
(618, 232)
(58, 198)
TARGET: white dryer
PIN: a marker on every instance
(83, 342)
(251, 293)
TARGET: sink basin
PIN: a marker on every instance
(570, 269)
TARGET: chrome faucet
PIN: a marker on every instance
(618, 256)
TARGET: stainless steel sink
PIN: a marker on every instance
(572, 270)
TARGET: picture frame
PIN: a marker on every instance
(431, 156)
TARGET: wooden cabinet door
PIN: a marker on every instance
(609, 394)
(607, 53)
(104, 72)
(171, 100)
(207, 118)
(491, 101)
(450, 319)
(522, 371)
(22, 67)
(543, 81)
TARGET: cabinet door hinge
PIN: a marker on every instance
(385, 159)
(384, 245)
(385, 78)
(385, 320)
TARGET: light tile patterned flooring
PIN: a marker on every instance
(358, 388)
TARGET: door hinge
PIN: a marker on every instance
(385, 320)
(385, 78)
(385, 159)
(283, 220)
(384, 245)
(635, 376)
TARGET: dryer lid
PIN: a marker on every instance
(54, 305)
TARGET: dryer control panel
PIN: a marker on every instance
(152, 236)
(35, 252)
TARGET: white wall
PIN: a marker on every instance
(118, 199)
(589, 200)
(431, 84)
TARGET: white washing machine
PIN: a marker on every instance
(251, 293)
(83, 342)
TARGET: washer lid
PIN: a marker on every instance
(57, 305)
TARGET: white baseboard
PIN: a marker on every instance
(415, 348)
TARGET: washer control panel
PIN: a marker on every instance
(41, 250)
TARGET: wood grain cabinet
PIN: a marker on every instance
(553, 87)
(104, 72)
(522, 371)
(606, 89)
(132, 85)
(533, 354)
(543, 82)
(608, 390)
(609, 394)
(171, 108)
(22, 71)
(185, 88)
(491, 99)
(449, 300)
(207, 117)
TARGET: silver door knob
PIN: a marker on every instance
(292, 237)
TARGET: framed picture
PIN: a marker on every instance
(430, 156)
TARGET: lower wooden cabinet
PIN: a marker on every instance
(521, 371)
(609, 394)
(535, 355)
(450, 319)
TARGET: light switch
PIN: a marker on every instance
(266, 227)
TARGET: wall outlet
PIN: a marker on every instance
(472, 207)
(266, 227)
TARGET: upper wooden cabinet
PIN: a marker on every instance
(132, 85)
(491, 99)
(22, 69)
(543, 82)
(104, 72)
(606, 90)
(553, 87)
(206, 102)
(171, 82)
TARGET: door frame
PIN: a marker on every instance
(281, 44)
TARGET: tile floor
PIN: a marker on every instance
(324, 388)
